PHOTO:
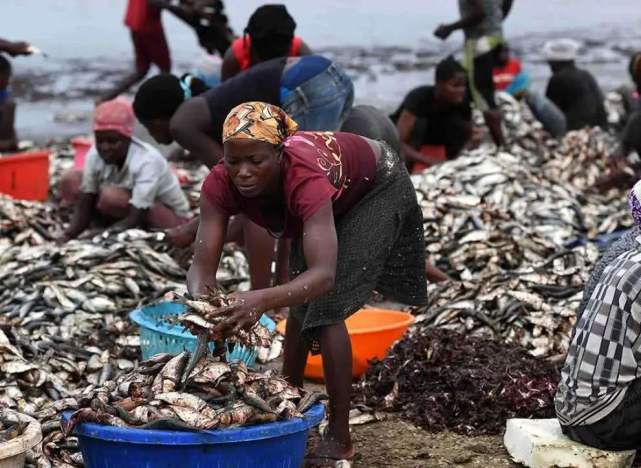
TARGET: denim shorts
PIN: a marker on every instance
(323, 102)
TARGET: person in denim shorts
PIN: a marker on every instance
(317, 94)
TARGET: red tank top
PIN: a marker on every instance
(242, 50)
(503, 76)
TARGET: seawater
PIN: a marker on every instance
(387, 46)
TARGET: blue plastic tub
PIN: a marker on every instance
(158, 336)
(271, 445)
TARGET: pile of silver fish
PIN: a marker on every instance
(27, 223)
(502, 224)
(65, 327)
(65, 310)
(532, 305)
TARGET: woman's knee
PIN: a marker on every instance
(69, 186)
(163, 217)
(113, 201)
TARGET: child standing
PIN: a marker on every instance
(150, 45)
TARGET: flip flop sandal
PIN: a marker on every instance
(326, 462)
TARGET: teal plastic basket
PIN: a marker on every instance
(158, 336)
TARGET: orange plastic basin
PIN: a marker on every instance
(371, 332)
(25, 176)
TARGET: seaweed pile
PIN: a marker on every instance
(444, 380)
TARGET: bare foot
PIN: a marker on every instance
(328, 452)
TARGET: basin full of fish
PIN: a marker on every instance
(162, 393)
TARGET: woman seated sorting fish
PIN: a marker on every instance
(598, 401)
(311, 88)
(435, 122)
(124, 179)
(349, 207)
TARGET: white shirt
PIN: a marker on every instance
(145, 174)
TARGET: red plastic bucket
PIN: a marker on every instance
(81, 147)
(25, 176)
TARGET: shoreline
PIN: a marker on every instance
(55, 98)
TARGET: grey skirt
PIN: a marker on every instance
(380, 248)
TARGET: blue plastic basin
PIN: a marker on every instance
(158, 336)
(271, 445)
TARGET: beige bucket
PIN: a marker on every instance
(13, 452)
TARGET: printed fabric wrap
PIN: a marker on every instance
(258, 121)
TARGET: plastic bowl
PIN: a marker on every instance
(158, 336)
(277, 444)
(371, 332)
(13, 452)
(25, 176)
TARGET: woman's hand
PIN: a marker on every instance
(243, 313)
(443, 31)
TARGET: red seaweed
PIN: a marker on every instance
(444, 380)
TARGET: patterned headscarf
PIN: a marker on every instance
(117, 115)
(259, 121)
(634, 203)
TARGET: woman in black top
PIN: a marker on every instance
(437, 116)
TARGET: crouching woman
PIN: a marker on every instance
(349, 208)
(125, 182)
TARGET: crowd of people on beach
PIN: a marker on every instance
(303, 178)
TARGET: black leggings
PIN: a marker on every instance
(483, 78)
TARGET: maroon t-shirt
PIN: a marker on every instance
(315, 167)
